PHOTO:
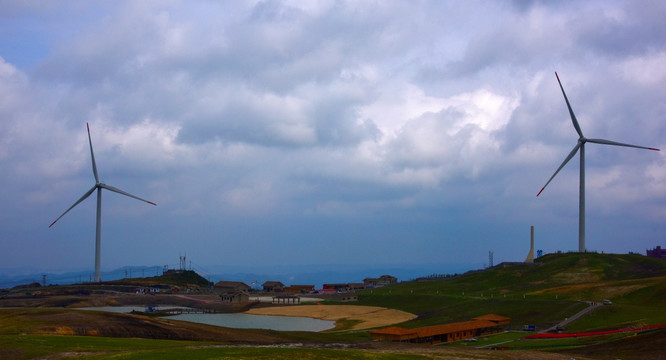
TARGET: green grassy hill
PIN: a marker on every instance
(185, 279)
(541, 294)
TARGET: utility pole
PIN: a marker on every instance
(490, 259)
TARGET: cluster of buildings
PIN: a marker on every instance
(657, 252)
(239, 292)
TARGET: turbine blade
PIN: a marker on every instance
(608, 142)
(92, 155)
(573, 117)
(571, 154)
(114, 189)
(85, 196)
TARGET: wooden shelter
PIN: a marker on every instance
(480, 326)
(228, 286)
(235, 297)
(273, 286)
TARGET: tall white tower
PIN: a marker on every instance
(530, 255)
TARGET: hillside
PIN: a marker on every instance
(117, 292)
(555, 288)
(541, 294)
(184, 279)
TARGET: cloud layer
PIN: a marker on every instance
(330, 131)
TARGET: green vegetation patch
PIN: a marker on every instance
(87, 347)
(263, 353)
(490, 340)
(179, 278)
(33, 346)
(542, 294)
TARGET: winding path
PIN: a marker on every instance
(591, 306)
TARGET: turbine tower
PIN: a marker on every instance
(98, 186)
(581, 146)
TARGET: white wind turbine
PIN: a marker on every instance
(98, 186)
(581, 146)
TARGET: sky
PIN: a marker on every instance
(380, 133)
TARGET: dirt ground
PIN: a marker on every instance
(369, 316)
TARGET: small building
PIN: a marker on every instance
(383, 280)
(235, 297)
(356, 286)
(336, 287)
(347, 297)
(231, 286)
(443, 333)
(286, 299)
(273, 286)
(343, 297)
(326, 291)
(343, 287)
(657, 252)
(299, 289)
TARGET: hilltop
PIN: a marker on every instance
(116, 292)
(187, 279)
(543, 293)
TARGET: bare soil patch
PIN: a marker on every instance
(368, 316)
(92, 323)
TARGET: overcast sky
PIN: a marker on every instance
(327, 132)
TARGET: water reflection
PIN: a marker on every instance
(250, 321)
(237, 320)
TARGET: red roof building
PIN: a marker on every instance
(657, 252)
(480, 326)
(299, 289)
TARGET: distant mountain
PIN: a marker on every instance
(9, 278)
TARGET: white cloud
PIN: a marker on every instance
(329, 112)
(646, 70)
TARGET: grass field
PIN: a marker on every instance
(87, 347)
(514, 340)
(541, 295)
(90, 347)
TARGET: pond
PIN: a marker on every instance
(238, 320)
(250, 321)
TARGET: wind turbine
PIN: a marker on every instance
(98, 186)
(581, 146)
